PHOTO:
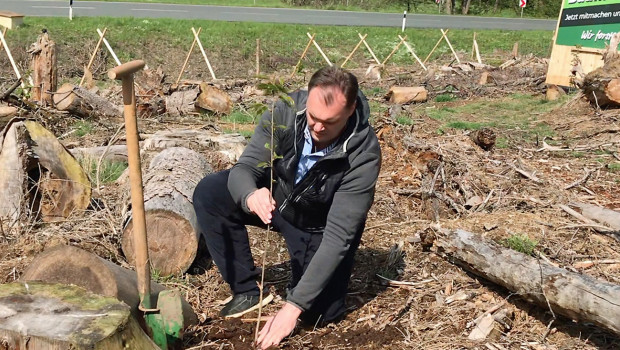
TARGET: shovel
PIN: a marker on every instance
(164, 322)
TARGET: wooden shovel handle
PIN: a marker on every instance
(125, 70)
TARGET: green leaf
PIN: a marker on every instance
(258, 109)
(267, 145)
(263, 165)
(287, 99)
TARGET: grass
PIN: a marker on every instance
(418, 7)
(404, 120)
(445, 98)
(83, 128)
(109, 172)
(155, 39)
(613, 167)
(514, 112)
(520, 243)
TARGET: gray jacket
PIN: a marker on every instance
(333, 198)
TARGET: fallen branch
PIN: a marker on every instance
(591, 223)
(394, 283)
(581, 181)
(11, 89)
(578, 296)
(527, 174)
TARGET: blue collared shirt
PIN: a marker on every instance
(309, 158)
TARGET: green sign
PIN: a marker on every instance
(588, 23)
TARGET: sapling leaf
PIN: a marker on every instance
(263, 165)
(258, 109)
(267, 145)
(287, 99)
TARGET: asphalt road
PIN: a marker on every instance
(261, 14)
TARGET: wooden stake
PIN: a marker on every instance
(450, 45)
(92, 57)
(319, 48)
(107, 44)
(477, 51)
(188, 55)
(412, 52)
(370, 50)
(257, 57)
(435, 47)
(302, 56)
(395, 49)
(3, 34)
(8, 52)
(352, 52)
(204, 54)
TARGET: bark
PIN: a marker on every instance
(182, 102)
(42, 316)
(83, 103)
(72, 265)
(605, 216)
(485, 138)
(403, 95)
(44, 71)
(465, 6)
(41, 177)
(577, 296)
(171, 223)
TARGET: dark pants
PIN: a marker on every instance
(222, 223)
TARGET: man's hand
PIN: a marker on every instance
(279, 326)
(262, 204)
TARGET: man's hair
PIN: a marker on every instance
(335, 77)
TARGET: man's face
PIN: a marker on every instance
(326, 122)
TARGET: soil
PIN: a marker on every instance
(415, 157)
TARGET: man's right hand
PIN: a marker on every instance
(262, 204)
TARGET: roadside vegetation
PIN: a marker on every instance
(492, 8)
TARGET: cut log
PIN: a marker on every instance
(44, 316)
(577, 296)
(83, 103)
(214, 100)
(404, 94)
(39, 177)
(44, 72)
(182, 102)
(484, 137)
(72, 265)
(230, 145)
(171, 221)
(484, 78)
(114, 153)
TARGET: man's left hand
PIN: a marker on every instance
(279, 326)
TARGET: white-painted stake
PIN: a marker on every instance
(404, 20)
(107, 44)
(204, 54)
(71, 10)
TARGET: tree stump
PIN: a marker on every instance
(83, 103)
(171, 222)
(484, 137)
(602, 85)
(577, 296)
(72, 265)
(44, 71)
(39, 176)
(42, 316)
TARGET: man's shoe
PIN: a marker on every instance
(241, 304)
